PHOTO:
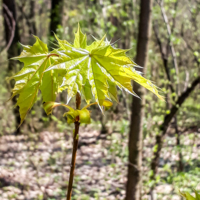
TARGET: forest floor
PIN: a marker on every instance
(35, 166)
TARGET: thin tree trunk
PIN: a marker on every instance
(165, 58)
(75, 147)
(178, 144)
(170, 43)
(32, 17)
(165, 125)
(73, 161)
(56, 15)
(9, 13)
(29, 19)
(115, 22)
(134, 184)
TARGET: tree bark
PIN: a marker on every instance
(29, 18)
(9, 13)
(134, 184)
(56, 15)
(32, 18)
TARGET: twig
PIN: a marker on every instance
(191, 49)
(170, 43)
(174, 18)
(164, 58)
(136, 168)
(11, 27)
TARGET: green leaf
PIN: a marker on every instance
(28, 94)
(49, 84)
(71, 116)
(106, 103)
(188, 196)
(31, 78)
(97, 69)
(49, 106)
(87, 92)
(112, 91)
(82, 116)
(197, 195)
(80, 39)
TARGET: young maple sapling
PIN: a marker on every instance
(90, 71)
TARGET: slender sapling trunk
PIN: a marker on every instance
(75, 147)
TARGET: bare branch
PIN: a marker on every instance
(164, 58)
(166, 122)
(11, 24)
(174, 18)
(170, 43)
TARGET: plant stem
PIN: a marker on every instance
(75, 147)
(73, 161)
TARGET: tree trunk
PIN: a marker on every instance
(9, 13)
(33, 29)
(56, 15)
(115, 22)
(165, 125)
(134, 185)
(178, 144)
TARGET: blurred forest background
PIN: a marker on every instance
(111, 162)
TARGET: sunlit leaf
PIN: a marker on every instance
(97, 69)
(188, 196)
(49, 106)
(106, 103)
(31, 78)
(94, 70)
(81, 116)
(80, 39)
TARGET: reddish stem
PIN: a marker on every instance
(75, 147)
